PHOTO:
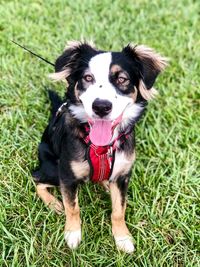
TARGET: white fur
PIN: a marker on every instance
(78, 112)
(102, 88)
(131, 112)
(73, 238)
(125, 243)
(99, 66)
(122, 165)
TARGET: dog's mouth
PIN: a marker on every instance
(101, 130)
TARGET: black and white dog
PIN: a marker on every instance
(90, 134)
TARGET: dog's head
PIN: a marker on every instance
(108, 89)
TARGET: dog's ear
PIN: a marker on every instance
(149, 64)
(71, 58)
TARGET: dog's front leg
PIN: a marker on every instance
(122, 236)
(69, 190)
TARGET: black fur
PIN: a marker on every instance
(62, 141)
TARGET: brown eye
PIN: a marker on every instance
(88, 78)
(122, 80)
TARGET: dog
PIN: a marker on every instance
(90, 135)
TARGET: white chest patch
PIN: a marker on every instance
(122, 165)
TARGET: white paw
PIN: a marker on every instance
(125, 243)
(73, 238)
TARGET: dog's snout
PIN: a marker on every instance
(101, 107)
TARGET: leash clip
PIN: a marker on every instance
(110, 152)
(60, 108)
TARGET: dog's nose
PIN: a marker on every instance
(101, 107)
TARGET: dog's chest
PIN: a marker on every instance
(102, 167)
(122, 165)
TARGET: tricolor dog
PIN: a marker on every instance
(90, 133)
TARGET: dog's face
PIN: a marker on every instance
(108, 89)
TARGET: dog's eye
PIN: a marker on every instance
(122, 80)
(88, 78)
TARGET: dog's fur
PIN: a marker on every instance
(125, 81)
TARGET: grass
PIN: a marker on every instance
(163, 212)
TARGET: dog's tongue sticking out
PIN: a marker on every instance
(101, 132)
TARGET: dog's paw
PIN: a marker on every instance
(73, 238)
(125, 243)
(56, 206)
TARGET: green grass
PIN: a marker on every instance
(163, 211)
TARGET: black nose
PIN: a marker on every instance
(101, 107)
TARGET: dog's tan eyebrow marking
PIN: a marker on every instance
(115, 68)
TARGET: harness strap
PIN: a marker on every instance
(101, 158)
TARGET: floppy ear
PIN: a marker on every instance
(149, 63)
(70, 59)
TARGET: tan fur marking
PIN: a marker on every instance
(119, 227)
(51, 201)
(80, 169)
(61, 75)
(144, 52)
(106, 185)
(73, 44)
(134, 95)
(72, 212)
(76, 91)
(148, 94)
(115, 68)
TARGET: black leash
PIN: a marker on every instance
(45, 60)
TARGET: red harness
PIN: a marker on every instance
(101, 158)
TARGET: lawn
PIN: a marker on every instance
(163, 212)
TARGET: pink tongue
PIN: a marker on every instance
(101, 132)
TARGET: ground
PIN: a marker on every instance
(163, 212)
